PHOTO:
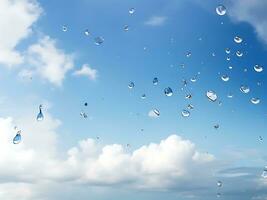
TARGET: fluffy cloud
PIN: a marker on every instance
(252, 12)
(156, 21)
(87, 71)
(48, 61)
(16, 19)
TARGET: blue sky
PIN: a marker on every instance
(119, 151)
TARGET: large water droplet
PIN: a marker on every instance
(131, 11)
(17, 138)
(131, 85)
(221, 10)
(258, 68)
(168, 91)
(244, 89)
(212, 96)
(238, 39)
(185, 113)
(219, 183)
(99, 40)
(225, 78)
(155, 81)
(40, 115)
(255, 100)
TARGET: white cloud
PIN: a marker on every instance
(156, 21)
(252, 12)
(17, 17)
(87, 71)
(48, 61)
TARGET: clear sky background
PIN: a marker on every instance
(122, 150)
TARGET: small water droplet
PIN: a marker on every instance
(131, 11)
(238, 39)
(227, 50)
(239, 53)
(218, 195)
(212, 96)
(260, 138)
(190, 106)
(255, 100)
(168, 91)
(86, 32)
(221, 10)
(188, 54)
(244, 89)
(155, 81)
(219, 183)
(40, 115)
(258, 68)
(188, 96)
(228, 58)
(230, 95)
(213, 54)
(83, 114)
(126, 28)
(216, 126)
(264, 173)
(64, 28)
(131, 85)
(99, 40)
(156, 112)
(225, 78)
(85, 104)
(143, 96)
(185, 113)
(193, 79)
(17, 138)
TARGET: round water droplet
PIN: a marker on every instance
(239, 53)
(131, 85)
(238, 39)
(143, 96)
(212, 96)
(219, 184)
(86, 32)
(193, 79)
(168, 91)
(264, 173)
(221, 10)
(258, 68)
(17, 138)
(131, 11)
(227, 50)
(155, 81)
(185, 113)
(225, 78)
(188, 54)
(244, 89)
(255, 100)
(64, 28)
(213, 54)
(99, 40)
(85, 104)
(216, 126)
(230, 67)
(126, 28)
(228, 58)
(40, 115)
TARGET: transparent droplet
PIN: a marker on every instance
(255, 100)
(17, 138)
(219, 183)
(244, 89)
(216, 126)
(188, 96)
(213, 54)
(230, 95)
(188, 54)
(260, 138)
(190, 106)
(225, 78)
(86, 32)
(228, 58)
(258, 68)
(193, 79)
(143, 96)
(64, 28)
(238, 39)
(40, 115)
(212, 96)
(99, 40)
(156, 112)
(219, 195)
(155, 81)
(131, 11)
(185, 113)
(264, 173)
(230, 67)
(184, 82)
(220, 103)
(239, 53)
(168, 91)
(221, 10)
(227, 50)
(83, 114)
(131, 85)
(126, 28)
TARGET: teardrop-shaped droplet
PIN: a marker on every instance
(264, 173)
(185, 113)
(212, 96)
(239, 53)
(131, 85)
(221, 10)
(244, 89)
(219, 183)
(225, 78)
(131, 11)
(238, 39)
(99, 40)
(168, 91)
(155, 81)
(40, 115)
(255, 100)
(258, 68)
(17, 138)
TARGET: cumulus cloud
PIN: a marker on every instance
(252, 12)
(156, 21)
(48, 61)
(87, 71)
(16, 19)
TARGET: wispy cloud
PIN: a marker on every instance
(87, 71)
(156, 21)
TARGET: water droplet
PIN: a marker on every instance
(228, 58)
(258, 68)
(213, 54)
(131, 11)
(156, 112)
(190, 106)
(40, 115)
(126, 28)
(131, 85)
(216, 126)
(185, 113)
(86, 32)
(239, 53)
(221, 10)
(230, 67)
(99, 40)
(244, 89)
(184, 82)
(230, 95)
(211, 95)
(155, 81)
(83, 114)
(218, 195)
(168, 91)
(219, 183)
(238, 39)
(260, 139)
(188, 54)
(85, 104)
(188, 96)
(193, 79)
(227, 50)
(225, 78)
(255, 100)
(264, 173)
(17, 138)
(143, 96)
(64, 28)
